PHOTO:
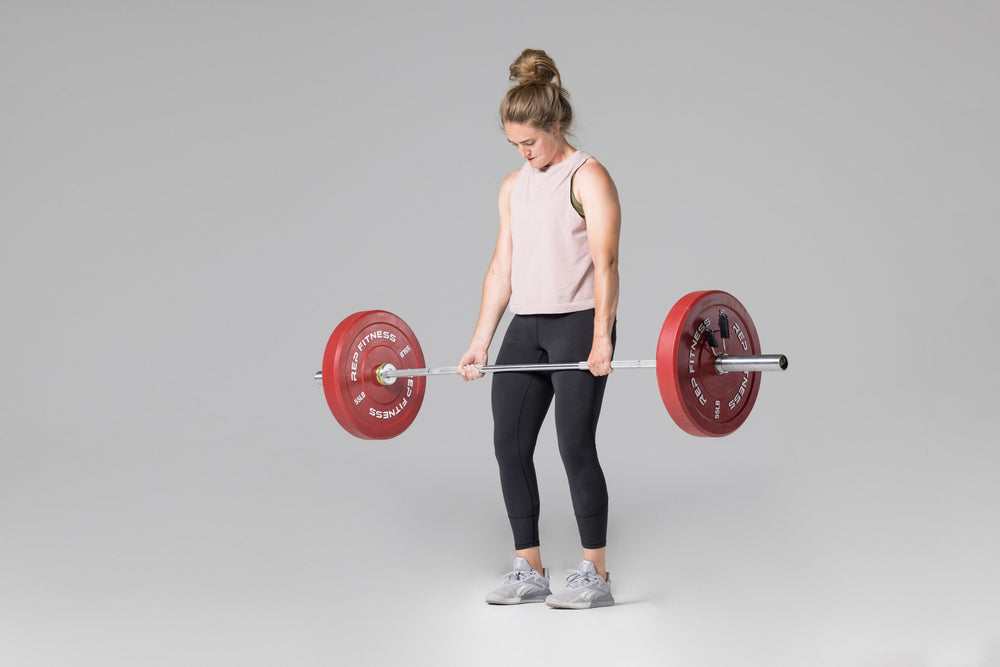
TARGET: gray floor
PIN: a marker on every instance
(196, 193)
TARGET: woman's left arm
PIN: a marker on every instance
(597, 193)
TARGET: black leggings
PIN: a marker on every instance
(520, 402)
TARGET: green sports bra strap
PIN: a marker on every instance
(577, 206)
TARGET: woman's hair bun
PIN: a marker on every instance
(537, 96)
(534, 67)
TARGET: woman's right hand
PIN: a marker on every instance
(467, 364)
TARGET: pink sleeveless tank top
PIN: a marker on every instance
(552, 270)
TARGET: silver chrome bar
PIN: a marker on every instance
(734, 363)
(738, 363)
(508, 368)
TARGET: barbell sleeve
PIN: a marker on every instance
(753, 363)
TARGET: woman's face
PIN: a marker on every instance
(540, 148)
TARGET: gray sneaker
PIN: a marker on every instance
(521, 585)
(584, 589)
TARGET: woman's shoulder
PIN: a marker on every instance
(592, 172)
(507, 186)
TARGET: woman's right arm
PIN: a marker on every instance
(496, 290)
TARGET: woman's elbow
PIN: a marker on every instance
(606, 262)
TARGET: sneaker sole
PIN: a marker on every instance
(514, 601)
(581, 605)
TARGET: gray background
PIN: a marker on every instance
(195, 193)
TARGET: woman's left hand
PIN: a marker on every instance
(599, 360)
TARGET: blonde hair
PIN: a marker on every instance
(537, 98)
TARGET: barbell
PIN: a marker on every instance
(708, 389)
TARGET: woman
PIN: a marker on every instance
(556, 265)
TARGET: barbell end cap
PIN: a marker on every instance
(783, 362)
(318, 377)
(382, 378)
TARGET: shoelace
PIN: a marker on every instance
(517, 575)
(578, 579)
